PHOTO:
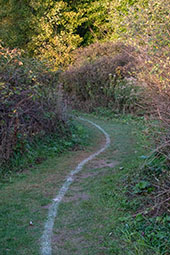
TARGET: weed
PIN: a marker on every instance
(149, 234)
(141, 187)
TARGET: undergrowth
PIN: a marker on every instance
(30, 104)
(102, 76)
(73, 137)
(147, 189)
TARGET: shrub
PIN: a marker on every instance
(128, 96)
(146, 27)
(97, 75)
(96, 50)
(28, 102)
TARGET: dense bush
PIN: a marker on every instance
(97, 78)
(28, 102)
(96, 50)
(147, 28)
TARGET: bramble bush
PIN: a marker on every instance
(97, 78)
(149, 30)
(145, 26)
(29, 102)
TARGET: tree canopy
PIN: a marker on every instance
(52, 29)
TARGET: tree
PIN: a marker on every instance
(51, 29)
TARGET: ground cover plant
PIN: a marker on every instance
(148, 187)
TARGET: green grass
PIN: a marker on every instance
(27, 195)
(94, 225)
(95, 216)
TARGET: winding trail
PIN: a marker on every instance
(46, 248)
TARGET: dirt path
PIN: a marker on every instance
(52, 213)
(84, 216)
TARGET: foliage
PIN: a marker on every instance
(54, 32)
(28, 102)
(51, 29)
(145, 225)
(74, 137)
(97, 78)
(142, 233)
(16, 20)
(129, 97)
(146, 26)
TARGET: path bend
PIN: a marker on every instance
(46, 248)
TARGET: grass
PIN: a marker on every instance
(92, 223)
(27, 196)
(95, 216)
